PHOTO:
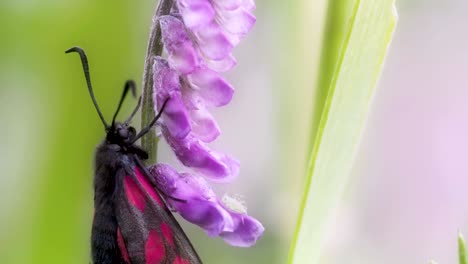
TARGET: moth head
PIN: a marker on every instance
(120, 133)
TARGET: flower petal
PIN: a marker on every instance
(208, 88)
(173, 31)
(193, 153)
(167, 85)
(184, 59)
(238, 21)
(196, 13)
(168, 180)
(182, 54)
(223, 65)
(248, 5)
(206, 214)
(227, 4)
(176, 118)
(204, 126)
(212, 41)
(247, 230)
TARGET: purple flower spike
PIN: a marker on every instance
(167, 85)
(194, 154)
(198, 38)
(203, 208)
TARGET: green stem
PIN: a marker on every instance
(149, 142)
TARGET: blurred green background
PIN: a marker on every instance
(407, 196)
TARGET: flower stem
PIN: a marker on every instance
(149, 142)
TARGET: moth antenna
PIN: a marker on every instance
(129, 119)
(147, 129)
(129, 85)
(84, 62)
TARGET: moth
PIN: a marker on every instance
(132, 222)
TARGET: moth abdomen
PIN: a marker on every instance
(104, 237)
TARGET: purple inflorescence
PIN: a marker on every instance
(198, 38)
(227, 219)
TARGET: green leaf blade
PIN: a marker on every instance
(461, 250)
(359, 58)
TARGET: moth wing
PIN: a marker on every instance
(148, 232)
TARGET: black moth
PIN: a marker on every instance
(132, 223)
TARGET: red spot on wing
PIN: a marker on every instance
(167, 233)
(180, 260)
(155, 252)
(122, 247)
(134, 194)
(147, 186)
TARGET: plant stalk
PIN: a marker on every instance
(149, 142)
